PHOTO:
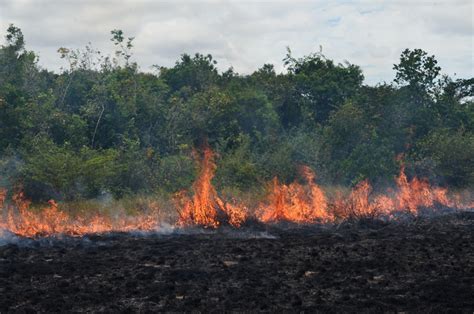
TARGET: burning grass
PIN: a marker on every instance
(205, 208)
(50, 221)
(297, 203)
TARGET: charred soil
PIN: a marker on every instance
(423, 265)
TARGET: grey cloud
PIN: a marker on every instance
(247, 34)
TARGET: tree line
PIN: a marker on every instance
(101, 125)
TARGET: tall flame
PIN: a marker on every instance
(418, 193)
(205, 208)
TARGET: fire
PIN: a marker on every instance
(23, 221)
(309, 204)
(358, 204)
(206, 208)
(418, 193)
(305, 203)
(295, 202)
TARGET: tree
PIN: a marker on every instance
(15, 60)
(321, 86)
(450, 155)
(102, 125)
(193, 73)
(124, 48)
(417, 69)
(17, 68)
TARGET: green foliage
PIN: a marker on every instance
(452, 154)
(58, 171)
(320, 86)
(191, 74)
(237, 168)
(352, 148)
(416, 68)
(175, 172)
(124, 47)
(102, 126)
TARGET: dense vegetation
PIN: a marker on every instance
(103, 126)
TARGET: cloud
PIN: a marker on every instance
(246, 34)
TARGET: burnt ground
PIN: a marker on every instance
(426, 265)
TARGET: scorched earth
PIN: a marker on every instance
(421, 265)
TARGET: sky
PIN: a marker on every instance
(247, 34)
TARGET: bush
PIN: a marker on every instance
(52, 171)
(452, 154)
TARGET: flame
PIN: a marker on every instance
(295, 202)
(206, 208)
(309, 204)
(358, 204)
(305, 203)
(418, 193)
(23, 221)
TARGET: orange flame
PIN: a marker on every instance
(418, 193)
(357, 204)
(308, 204)
(299, 203)
(295, 202)
(206, 208)
(23, 221)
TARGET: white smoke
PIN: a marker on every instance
(7, 237)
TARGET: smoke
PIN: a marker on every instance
(9, 238)
(94, 240)
(10, 164)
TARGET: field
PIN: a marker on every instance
(419, 265)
